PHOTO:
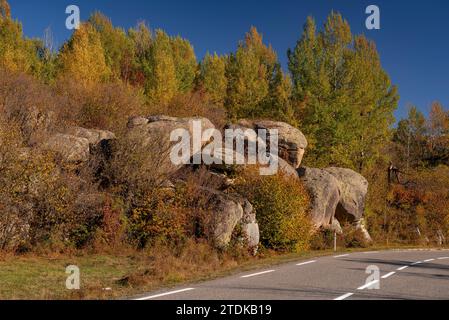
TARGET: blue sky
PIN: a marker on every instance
(413, 40)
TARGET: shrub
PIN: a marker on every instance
(281, 206)
(41, 203)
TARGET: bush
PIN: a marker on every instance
(105, 106)
(41, 203)
(281, 206)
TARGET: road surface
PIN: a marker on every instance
(397, 275)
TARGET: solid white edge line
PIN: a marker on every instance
(164, 294)
(402, 268)
(429, 260)
(341, 256)
(305, 263)
(257, 274)
(370, 284)
(388, 275)
(343, 297)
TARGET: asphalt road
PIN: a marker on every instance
(396, 275)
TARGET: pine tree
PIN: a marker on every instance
(213, 77)
(82, 58)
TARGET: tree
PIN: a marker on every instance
(185, 63)
(141, 39)
(160, 71)
(17, 54)
(410, 137)
(213, 77)
(82, 58)
(5, 10)
(438, 141)
(116, 45)
(345, 98)
(253, 73)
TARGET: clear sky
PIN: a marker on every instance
(413, 40)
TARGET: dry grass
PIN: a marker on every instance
(129, 273)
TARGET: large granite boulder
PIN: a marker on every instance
(292, 142)
(70, 148)
(77, 144)
(353, 190)
(154, 133)
(325, 195)
(92, 135)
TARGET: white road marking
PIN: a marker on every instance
(341, 256)
(368, 252)
(164, 294)
(368, 285)
(388, 275)
(343, 297)
(402, 268)
(428, 260)
(257, 274)
(416, 263)
(443, 258)
(305, 263)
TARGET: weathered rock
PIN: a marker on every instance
(325, 195)
(287, 170)
(353, 190)
(250, 227)
(230, 211)
(292, 142)
(136, 122)
(154, 133)
(92, 135)
(72, 149)
(37, 124)
(227, 213)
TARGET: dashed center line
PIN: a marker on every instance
(258, 274)
(443, 258)
(416, 263)
(429, 260)
(164, 294)
(402, 268)
(305, 263)
(388, 275)
(341, 256)
(368, 285)
(343, 297)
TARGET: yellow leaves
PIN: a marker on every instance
(82, 59)
(213, 77)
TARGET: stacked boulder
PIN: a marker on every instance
(337, 194)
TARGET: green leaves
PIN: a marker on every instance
(345, 98)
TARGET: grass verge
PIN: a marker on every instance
(112, 276)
